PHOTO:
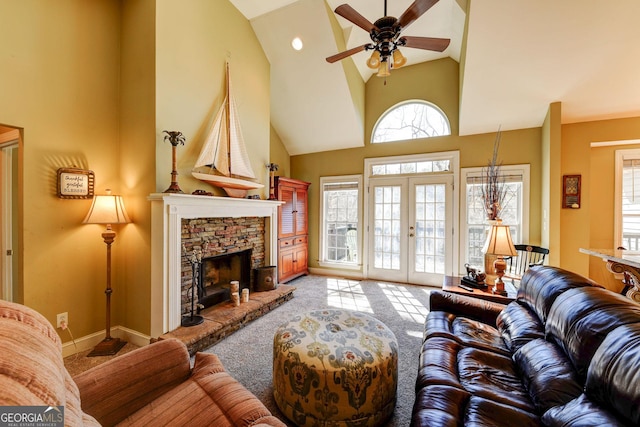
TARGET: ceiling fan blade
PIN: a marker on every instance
(350, 14)
(415, 11)
(428, 43)
(346, 53)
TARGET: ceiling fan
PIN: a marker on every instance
(386, 37)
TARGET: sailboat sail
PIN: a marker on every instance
(214, 151)
(224, 150)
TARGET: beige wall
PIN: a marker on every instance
(59, 82)
(137, 159)
(590, 225)
(194, 39)
(437, 83)
(551, 189)
(278, 154)
(93, 85)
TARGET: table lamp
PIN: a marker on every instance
(499, 243)
(107, 209)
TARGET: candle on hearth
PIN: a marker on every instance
(235, 298)
(235, 286)
(245, 295)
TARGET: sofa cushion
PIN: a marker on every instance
(581, 319)
(580, 412)
(482, 373)
(518, 325)
(110, 397)
(209, 397)
(613, 378)
(541, 285)
(465, 331)
(547, 374)
(444, 406)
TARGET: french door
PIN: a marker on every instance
(410, 229)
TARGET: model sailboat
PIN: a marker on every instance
(224, 161)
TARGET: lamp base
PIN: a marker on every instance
(191, 320)
(107, 347)
(497, 291)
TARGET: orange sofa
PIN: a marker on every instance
(153, 385)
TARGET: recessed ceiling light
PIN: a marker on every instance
(296, 43)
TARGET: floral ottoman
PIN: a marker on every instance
(335, 368)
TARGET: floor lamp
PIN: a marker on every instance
(107, 209)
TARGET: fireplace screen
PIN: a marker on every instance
(218, 271)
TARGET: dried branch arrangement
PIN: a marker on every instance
(493, 188)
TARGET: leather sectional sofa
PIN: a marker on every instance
(151, 386)
(566, 352)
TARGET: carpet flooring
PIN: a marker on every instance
(247, 354)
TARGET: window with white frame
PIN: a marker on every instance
(474, 224)
(340, 220)
(410, 120)
(627, 197)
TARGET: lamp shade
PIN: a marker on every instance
(374, 60)
(107, 209)
(398, 59)
(499, 241)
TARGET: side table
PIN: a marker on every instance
(452, 284)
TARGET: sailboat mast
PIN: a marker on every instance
(228, 124)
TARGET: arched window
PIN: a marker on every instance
(410, 120)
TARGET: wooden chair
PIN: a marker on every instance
(528, 255)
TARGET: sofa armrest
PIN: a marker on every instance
(115, 389)
(465, 306)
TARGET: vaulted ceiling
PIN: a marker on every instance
(519, 57)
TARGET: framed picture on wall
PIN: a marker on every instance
(571, 191)
(75, 183)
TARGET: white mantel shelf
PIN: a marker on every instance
(167, 212)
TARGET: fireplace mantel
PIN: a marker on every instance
(167, 212)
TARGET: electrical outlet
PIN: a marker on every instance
(62, 318)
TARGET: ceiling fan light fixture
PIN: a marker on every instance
(374, 60)
(398, 59)
(383, 69)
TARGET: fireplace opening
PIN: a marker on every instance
(216, 274)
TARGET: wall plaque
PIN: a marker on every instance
(75, 183)
(571, 191)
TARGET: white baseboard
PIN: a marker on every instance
(87, 342)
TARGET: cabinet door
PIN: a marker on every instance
(301, 211)
(300, 260)
(286, 225)
(286, 264)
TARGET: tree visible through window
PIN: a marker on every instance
(410, 120)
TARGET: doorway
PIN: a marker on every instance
(11, 289)
(410, 216)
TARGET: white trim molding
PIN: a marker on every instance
(167, 212)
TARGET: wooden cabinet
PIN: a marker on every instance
(292, 228)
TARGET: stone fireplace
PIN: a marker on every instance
(225, 224)
(230, 248)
